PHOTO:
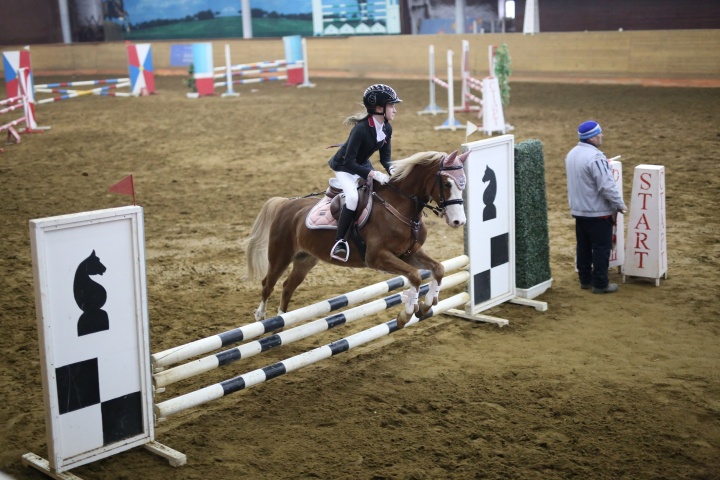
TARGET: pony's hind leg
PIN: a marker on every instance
(261, 311)
(302, 264)
(276, 268)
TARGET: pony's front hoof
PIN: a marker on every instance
(423, 309)
(403, 318)
(259, 315)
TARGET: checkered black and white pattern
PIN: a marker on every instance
(96, 381)
(490, 229)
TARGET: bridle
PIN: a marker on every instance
(420, 204)
(443, 204)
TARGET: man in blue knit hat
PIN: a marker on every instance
(594, 202)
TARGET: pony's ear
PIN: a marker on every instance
(449, 158)
(463, 157)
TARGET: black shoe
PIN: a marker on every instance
(585, 286)
(611, 288)
(340, 251)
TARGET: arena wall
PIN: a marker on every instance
(688, 54)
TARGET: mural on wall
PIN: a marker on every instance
(188, 19)
(355, 17)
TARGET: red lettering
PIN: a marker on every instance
(641, 238)
(645, 181)
(640, 265)
(643, 221)
(644, 197)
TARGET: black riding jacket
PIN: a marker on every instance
(353, 156)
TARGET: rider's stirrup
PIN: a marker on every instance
(340, 251)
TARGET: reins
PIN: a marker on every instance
(420, 205)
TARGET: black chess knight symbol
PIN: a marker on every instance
(489, 212)
(90, 296)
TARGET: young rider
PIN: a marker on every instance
(371, 132)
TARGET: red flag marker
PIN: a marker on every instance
(124, 187)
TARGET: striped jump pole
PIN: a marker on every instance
(65, 97)
(182, 372)
(253, 80)
(467, 83)
(11, 100)
(294, 64)
(83, 83)
(258, 68)
(249, 66)
(475, 83)
(478, 100)
(101, 91)
(13, 107)
(265, 78)
(15, 103)
(95, 90)
(10, 127)
(255, 377)
(253, 330)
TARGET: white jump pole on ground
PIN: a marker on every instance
(197, 367)
(247, 380)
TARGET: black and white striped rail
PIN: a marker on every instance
(255, 377)
(253, 330)
(247, 350)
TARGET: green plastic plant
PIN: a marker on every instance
(502, 72)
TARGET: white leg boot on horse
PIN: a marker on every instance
(341, 249)
(410, 299)
(433, 293)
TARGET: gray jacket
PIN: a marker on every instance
(591, 188)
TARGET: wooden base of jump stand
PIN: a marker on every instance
(175, 458)
(500, 322)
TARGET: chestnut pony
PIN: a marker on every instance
(393, 234)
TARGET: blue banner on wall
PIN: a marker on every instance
(181, 55)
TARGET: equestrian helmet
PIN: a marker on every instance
(379, 95)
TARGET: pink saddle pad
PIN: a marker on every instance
(319, 216)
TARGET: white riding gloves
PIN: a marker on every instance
(380, 177)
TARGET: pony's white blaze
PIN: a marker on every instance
(455, 214)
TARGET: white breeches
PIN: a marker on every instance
(348, 182)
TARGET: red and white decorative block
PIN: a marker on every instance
(646, 247)
(617, 254)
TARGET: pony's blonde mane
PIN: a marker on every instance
(404, 166)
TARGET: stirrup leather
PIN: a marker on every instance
(335, 247)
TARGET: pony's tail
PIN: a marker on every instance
(256, 244)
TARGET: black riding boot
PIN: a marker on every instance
(341, 249)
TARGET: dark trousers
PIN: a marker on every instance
(594, 242)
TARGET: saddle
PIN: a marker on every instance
(325, 214)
